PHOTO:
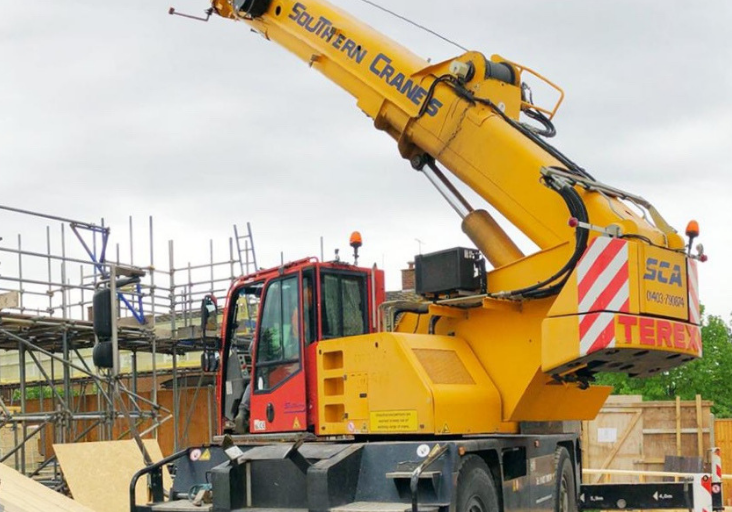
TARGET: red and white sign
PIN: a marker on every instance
(602, 285)
(694, 315)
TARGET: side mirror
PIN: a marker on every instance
(209, 315)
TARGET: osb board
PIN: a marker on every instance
(21, 494)
(99, 474)
(630, 434)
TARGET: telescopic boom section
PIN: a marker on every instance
(462, 113)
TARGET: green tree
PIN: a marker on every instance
(710, 376)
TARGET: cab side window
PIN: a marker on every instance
(309, 306)
(344, 305)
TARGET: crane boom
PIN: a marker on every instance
(469, 125)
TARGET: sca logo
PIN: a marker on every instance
(663, 272)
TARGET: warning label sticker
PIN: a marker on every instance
(394, 421)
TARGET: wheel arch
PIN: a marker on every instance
(575, 456)
(493, 461)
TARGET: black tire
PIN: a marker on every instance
(565, 495)
(476, 491)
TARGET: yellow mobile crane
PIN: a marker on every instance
(463, 402)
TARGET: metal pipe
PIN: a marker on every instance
(81, 301)
(202, 266)
(25, 343)
(64, 286)
(132, 252)
(156, 425)
(20, 275)
(48, 283)
(57, 432)
(21, 375)
(67, 379)
(114, 313)
(447, 191)
(176, 404)
(209, 403)
(211, 261)
(17, 443)
(189, 294)
(133, 360)
(145, 400)
(41, 407)
(46, 216)
(154, 393)
(50, 291)
(231, 258)
(238, 249)
(251, 247)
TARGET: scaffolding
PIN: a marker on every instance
(46, 331)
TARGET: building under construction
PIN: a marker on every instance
(51, 391)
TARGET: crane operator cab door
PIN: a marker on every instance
(278, 388)
(297, 311)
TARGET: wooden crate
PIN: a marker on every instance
(630, 434)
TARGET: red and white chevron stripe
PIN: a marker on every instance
(716, 465)
(702, 493)
(694, 314)
(602, 285)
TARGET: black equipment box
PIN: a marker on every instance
(449, 271)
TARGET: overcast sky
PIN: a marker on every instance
(110, 109)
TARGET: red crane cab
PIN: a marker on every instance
(273, 323)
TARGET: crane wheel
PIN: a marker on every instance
(565, 497)
(476, 490)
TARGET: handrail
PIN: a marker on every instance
(150, 469)
(437, 452)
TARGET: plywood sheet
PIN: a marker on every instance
(99, 474)
(21, 494)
